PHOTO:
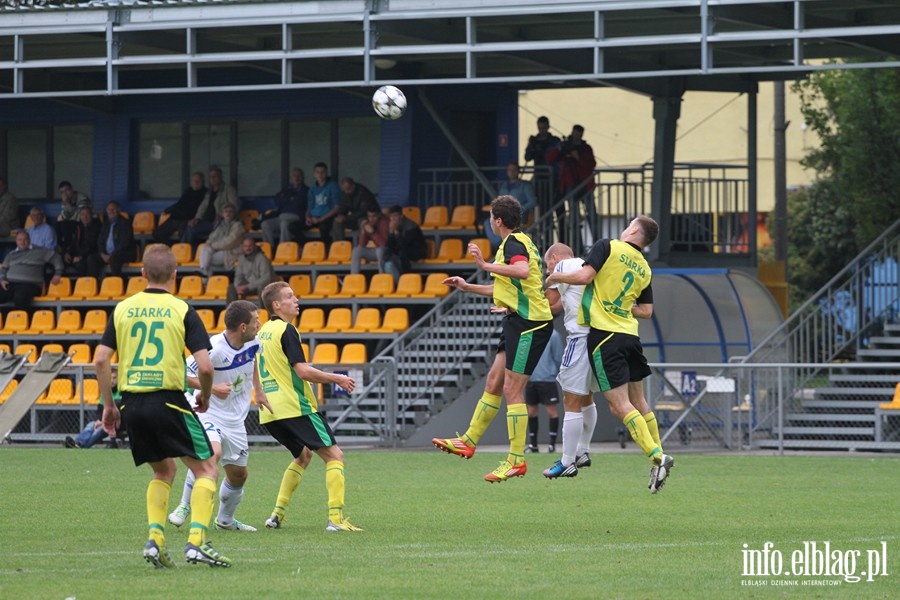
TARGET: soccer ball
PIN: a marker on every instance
(389, 102)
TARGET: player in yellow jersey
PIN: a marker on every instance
(518, 294)
(617, 291)
(295, 421)
(150, 330)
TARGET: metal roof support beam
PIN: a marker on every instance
(666, 111)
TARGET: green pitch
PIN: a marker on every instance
(73, 525)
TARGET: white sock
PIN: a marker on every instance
(229, 498)
(589, 413)
(188, 488)
(571, 432)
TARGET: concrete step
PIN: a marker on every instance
(853, 445)
(796, 418)
(868, 432)
(836, 405)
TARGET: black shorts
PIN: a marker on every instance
(616, 358)
(524, 342)
(163, 425)
(541, 392)
(310, 431)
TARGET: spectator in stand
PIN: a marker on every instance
(217, 196)
(519, 189)
(22, 272)
(9, 210)
(41, 233)
(182, 211)
(323, 203)
(281, 223)
(84, 243)
(544, 172)
(253, 272)
(356, 201)
(373, 241)
(406, 243)
(576, 162)
(71, 201)
(116, 244)
(223, 246)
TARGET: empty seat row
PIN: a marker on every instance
(354, 286)
(43, 322)
(440, 217)
(340, 320)
(81, 353)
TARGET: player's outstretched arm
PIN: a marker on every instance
(311, 374)
(464, 286)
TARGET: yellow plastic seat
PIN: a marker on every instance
(80, 353)
(300, 284)
(42, 322)
(247, 216)
(216, 288)
(430, 251)
(484, 245)
(408, 286)
(353, 285)
(313, 253)
(190, 287)
(114, 359)
(220, 323)
(339, 253)
(183, 253)
(144, 221)
(354, 354)
(16, 322)
(85, 288)
(8, 391)
(435, 217)
(396, 320)
(57, 291)
(91, 392)
(305, 347)
(367, 319)
(463, 217)
(263, 316)
(111, 288)
(326, 286)
(60, 391)
(339, 320)
(450, 250)
(413, 213)
(434, 286)
(325, 354)
(286, 253)
(208, 317)
(30, 350)
(5, 348)
(311, 320)
(266, 249)
(136, 284)
(95, 321)
(51, 348)
(381, 286)
(69, 322)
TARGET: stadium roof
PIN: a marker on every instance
(115, 47)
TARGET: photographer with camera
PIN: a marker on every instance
(575, 160)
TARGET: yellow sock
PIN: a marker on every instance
(485, 412)
(202, 500)
(289, 482)
(334, 483)
(157, 506)
(517, 426)
(653, 426)
(640, 433)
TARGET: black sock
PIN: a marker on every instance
(532, 431)
(554, 427)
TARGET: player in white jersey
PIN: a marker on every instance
(233, 357)
(575, 375)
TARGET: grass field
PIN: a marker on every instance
(73, 525)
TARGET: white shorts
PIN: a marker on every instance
(233, 439)
(575, 375)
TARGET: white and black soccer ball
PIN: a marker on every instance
(389, 102)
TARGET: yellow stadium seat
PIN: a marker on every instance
(381, 285)
(208, 317)
(69, 322)
(81, 353)
(95, 321)
(367, 319)
(216, 288)
(5, 348)
(51, 348)
(313, 253)
(311, 320)
(136, 284)
(339, 320)
(263, 316)
(300, 284)
(143, 222)
(111, 288)
(266, 249)
(57, 291)
(434, 286)
(450, 250)
(396, 320)
(30, 350)
(85, 288)
(326, 286)
(430, 251)
(413, 213)
(463, 217)
(325, 354)
(353, 354)
(305, 347)
(286, 253)
(353, 285)
(10, 388)
(91, 392)
(114, 359)
(16, 322)
(42, 322)
(339, 253)
(408, 286)
(247, 216)
(190, 287)
(484, 245)
(435, 217)
(220, 323)
(59, 392)
(183, 253)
